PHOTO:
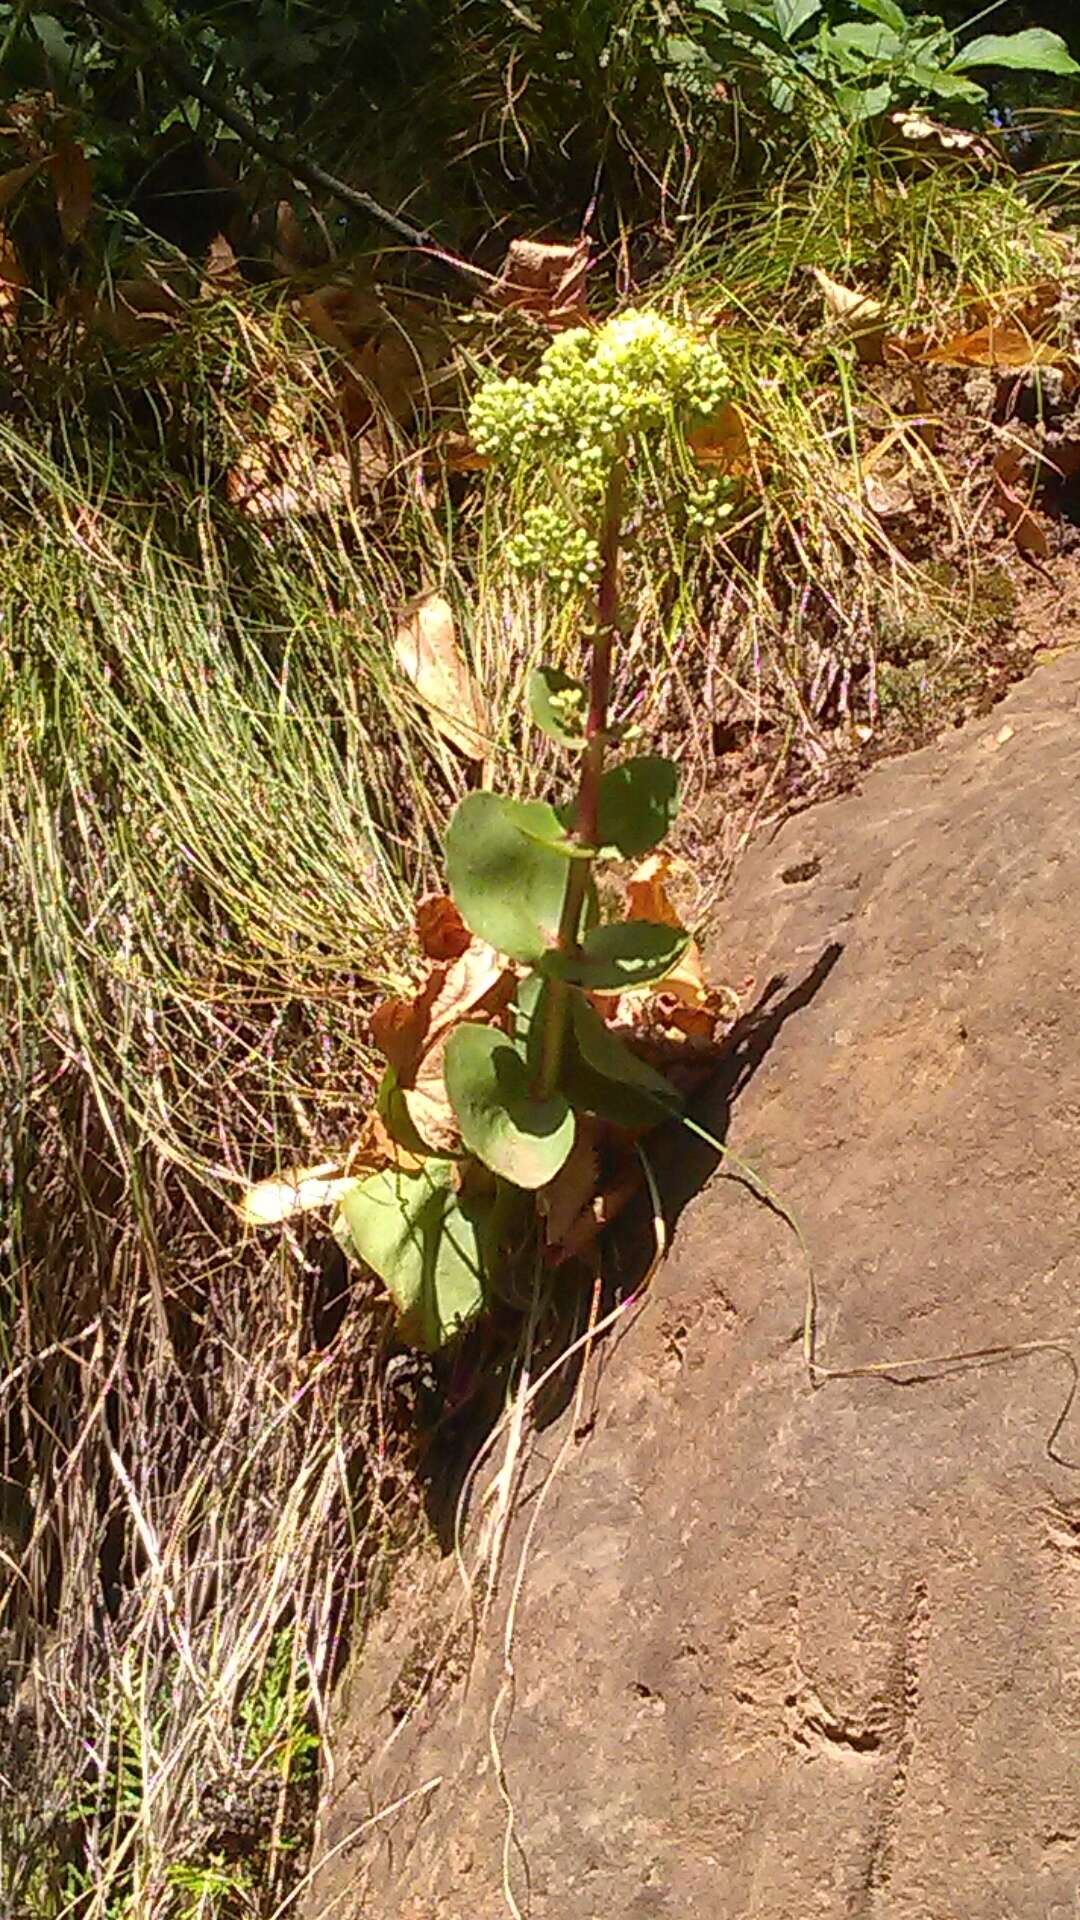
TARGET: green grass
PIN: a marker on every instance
(218, 800)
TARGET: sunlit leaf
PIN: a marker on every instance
(507, 884)
(558, 705)
(523, 1138)
(427, 1243)
(639, 802)
(1036, 49)
(621, 955)
(426, 648)
(546, 281)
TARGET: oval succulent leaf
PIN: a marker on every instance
(426, 1243)
(639, 802)
(558, 704)
(488, 1082)
(605, 1053)
(505, 875)
(621, 955)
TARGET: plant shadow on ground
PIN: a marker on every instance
(473, 1397)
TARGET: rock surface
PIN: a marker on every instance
(785, 1652)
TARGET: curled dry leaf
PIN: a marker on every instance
(723, 442)
(72, 184)
(547, 281)
(304, 1190)
(15, 180)
(427, 651)
(221, 272)
(1008, 348)
(1027, 530)
(412, 1034)
(888, 494)
(270, 481)
(857, 312)
(139, 312)
(440, 928)
(566, 1203)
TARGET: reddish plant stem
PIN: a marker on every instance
(556, 1001)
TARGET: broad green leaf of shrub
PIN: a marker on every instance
(793, 14)
(639, 802)
(505, 874)
(886, 11)
(621, 955)
(489, 1086)
(558, 705)
(426, 1243)
(863, 103)
(1036, 50)
(863, 42)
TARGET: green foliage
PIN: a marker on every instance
(523, 1137)
(838, 62)
(507, 872)
(427, 1242)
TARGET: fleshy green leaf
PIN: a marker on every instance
(622, 954)
(505, 876)
(489, 1087)
(638, 803)
(426, 1244)
(1036, 50)
(609, 1056)
(558, 704)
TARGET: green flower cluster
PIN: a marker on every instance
(595, 391)
(566, 555)
(709, 505)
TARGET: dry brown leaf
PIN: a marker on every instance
(13, 182)
(427, 650)
(440, 928)
(221, 272)
(567, 1200)
(1027, 531)
(458, 454)
(723, 441)
(290, 249)
(12, 280)
(73, 187)
(1008, 348)
(356, 312)
(888, 494)
(303, 1190)
(270, 481)
(604, 1208)
(857, 312)
(405, 1030)
(545, 280)
(140, 311)
(648, 899)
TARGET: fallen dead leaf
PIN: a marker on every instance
(303, 1190)
(723, 442)
(547, 281)
(1009, 349)
(221, 272)
(647, 898)
(139, 312)
(290, 249)
(1027, 531)
(458, 454)
(73, 186)
(440, 928)
(566, 1202)
(405, 1030)
(13, 182)
(857, 312)
(427, 651)
(888, 495)
(271, 481)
